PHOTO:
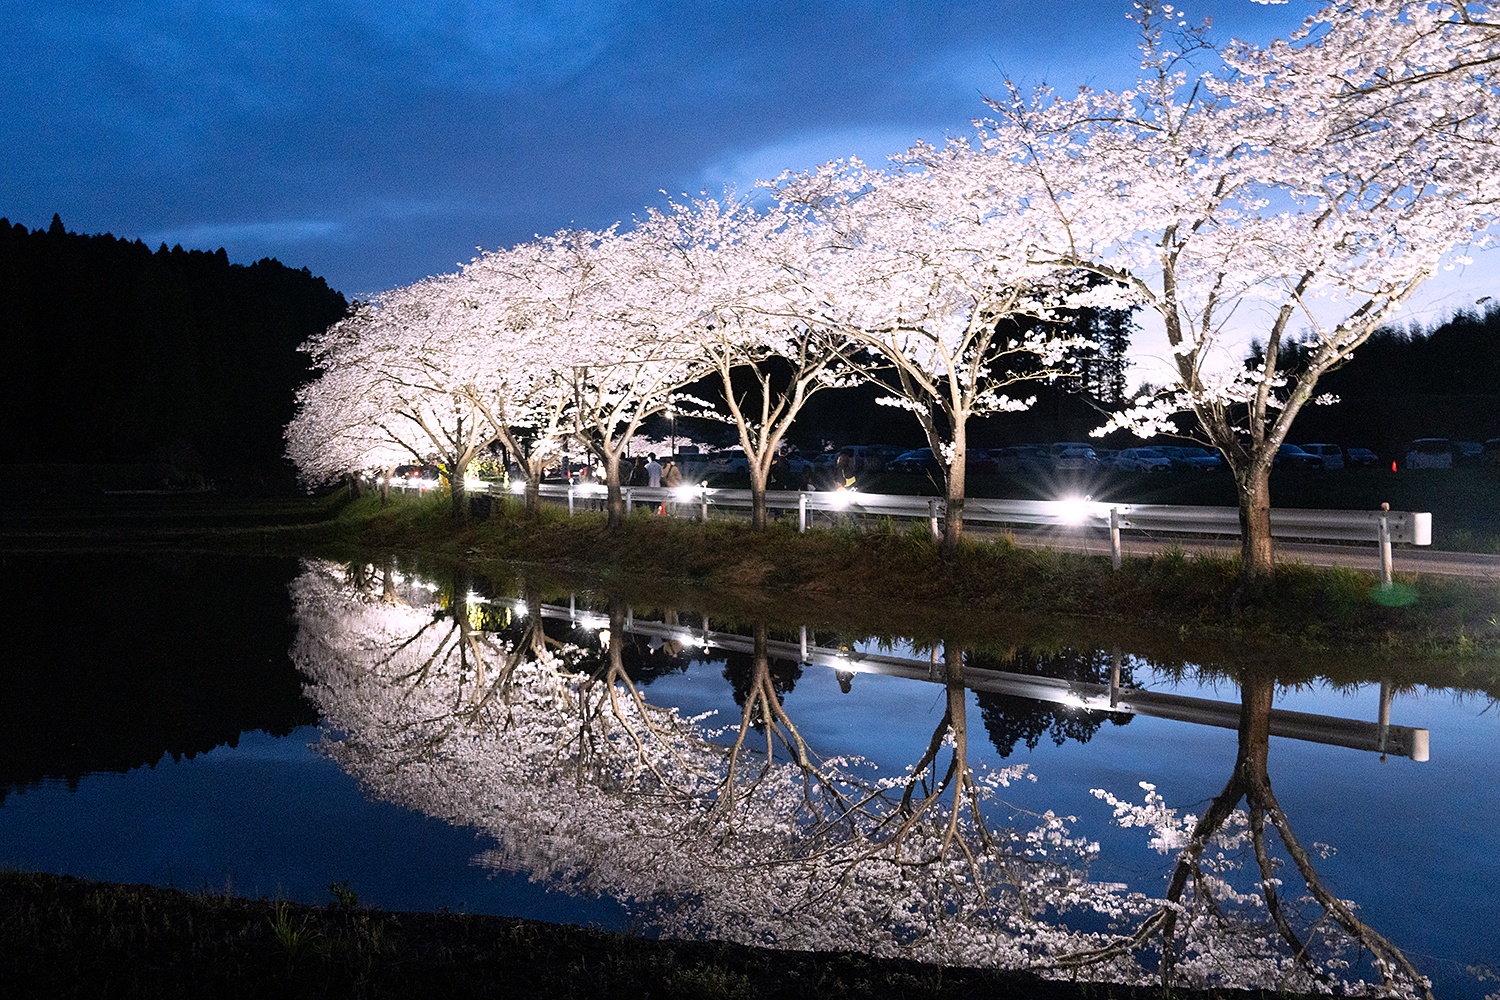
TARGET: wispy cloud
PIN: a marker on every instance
(741, 169)
(249, 233)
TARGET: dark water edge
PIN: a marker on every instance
(117, 660)
(66, 937)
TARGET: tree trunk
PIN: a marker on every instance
(456, 491)
(759, 516)
(616, 495)
(1253, 488)
(953, 523)
(533, 491)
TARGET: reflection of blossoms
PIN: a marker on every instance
(551, 750)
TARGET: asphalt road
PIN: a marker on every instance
(1404, 559)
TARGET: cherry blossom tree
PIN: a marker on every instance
(336, 429)
(926, 290)
(1314, 182)
(605, 333)
(395, 382)
(738, 275)
(527, 397)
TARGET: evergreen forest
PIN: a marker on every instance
(174, 359)
(1407, 383)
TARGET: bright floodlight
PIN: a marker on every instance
(685, 493)
(840, 499)
(1073, 510)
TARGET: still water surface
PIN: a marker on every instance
(155, 729)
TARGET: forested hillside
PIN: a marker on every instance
(1411, 383)
(118, 354)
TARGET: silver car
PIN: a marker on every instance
(1331, 454)
(1430, 453)
(1143, 460)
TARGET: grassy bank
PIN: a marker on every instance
(886, 580)
(66, 937)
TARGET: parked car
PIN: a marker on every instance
(917, 462)
(864, 457)
(1467, 453)
(1073, 459)
(1331, 454)
(728, 462)
(1429, 453)
(1491, 457)
(1289, 456)
(1191, 459)
(1023, 458)
(1143, 460)
(1362, 458)
(1055, 450)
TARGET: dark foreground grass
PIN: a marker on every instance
(66, 937)
(883, 580)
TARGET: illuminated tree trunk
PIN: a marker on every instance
(1253, 491)
(953, 523)
(616, 494)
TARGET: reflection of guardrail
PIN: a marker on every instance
(1380, 526)
(1357, 734)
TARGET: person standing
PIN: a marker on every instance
(671, 478)
(653, 471)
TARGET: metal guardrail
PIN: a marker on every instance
(1357, 734)
(1382, 527)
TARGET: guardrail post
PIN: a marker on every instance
(1114, 535)
(1386, 695)
(1114, 678)
(804, 644)
(629, 500)
(932, 519)
(570, 499)
(802, 526)
(573, 610)
(1385, 546)
(704, 494)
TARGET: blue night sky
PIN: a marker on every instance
(377, 143)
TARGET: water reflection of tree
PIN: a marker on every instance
(1195, 903)
(752, 680)
(745, 834)
(1010, 719)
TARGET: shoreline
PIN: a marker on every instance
(63, 936)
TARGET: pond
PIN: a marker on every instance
(269, 727)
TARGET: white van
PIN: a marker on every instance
(1430, 453)
(1331, 454)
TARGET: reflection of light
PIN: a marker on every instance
(1073, 510)
(518, 486)
(689, 492)
(592, 621)
(520, 608)
(840, 499)
(470, 482)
